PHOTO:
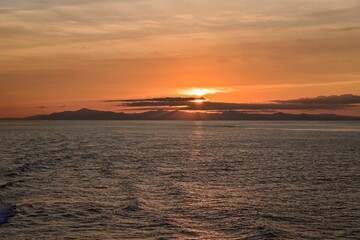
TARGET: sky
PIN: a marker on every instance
(69, 54)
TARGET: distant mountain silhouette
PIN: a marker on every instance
(88, 114)
(82, 114)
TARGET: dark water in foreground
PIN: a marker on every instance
(180, 180)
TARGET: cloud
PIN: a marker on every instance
(45, 107)
(160, 102)
(317, 103)
(345, 99)
(347, 29)
(256, 106)
(165, 99)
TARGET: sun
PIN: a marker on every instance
(200, 100)
(199, 92)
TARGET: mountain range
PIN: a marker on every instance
(88, 114)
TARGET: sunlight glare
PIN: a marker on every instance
(201, 91)
(200, 100)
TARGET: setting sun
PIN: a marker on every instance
(200, 100)
(201, 91)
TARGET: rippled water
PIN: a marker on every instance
(180, 180)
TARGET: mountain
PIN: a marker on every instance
(88, 114)
(82, 114)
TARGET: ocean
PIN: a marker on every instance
(179, 180)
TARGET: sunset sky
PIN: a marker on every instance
(65, 55)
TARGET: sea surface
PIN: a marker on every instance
(179, 180)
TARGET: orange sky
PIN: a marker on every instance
(65, 55)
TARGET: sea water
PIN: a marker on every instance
(179, 180)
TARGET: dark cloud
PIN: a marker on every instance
(44, 107)
(257, 106)
(165, 99)
(164, 108)
(317, 103)
(148, 104)
(345, 99)
(159, 102)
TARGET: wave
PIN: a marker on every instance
(293, 129)
(6, 211)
